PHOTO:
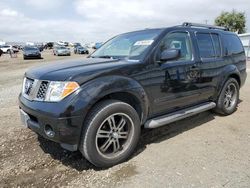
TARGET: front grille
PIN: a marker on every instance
(28, 85)
(42, 90)
(34, 89)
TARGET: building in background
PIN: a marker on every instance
(30, 43)
(2, 42)
(245, 39)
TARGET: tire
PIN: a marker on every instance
(104, 147)
(228, 99)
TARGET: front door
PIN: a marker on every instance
(174, 82)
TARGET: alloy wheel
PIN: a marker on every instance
(230, 97)
(114, 135)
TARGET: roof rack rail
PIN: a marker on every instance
(189, 24)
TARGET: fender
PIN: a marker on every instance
(226, 72)
(94, 90)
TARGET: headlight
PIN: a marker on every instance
(59, 90)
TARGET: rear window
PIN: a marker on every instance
(233, 45)
(217, 46)
(205, 45)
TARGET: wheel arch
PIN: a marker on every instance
(127, 97)
(228, 72)
(236, 77)
(119, 88)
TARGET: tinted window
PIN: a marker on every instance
(180, 41)
(205, 45)
(232, 44)
(217, 46)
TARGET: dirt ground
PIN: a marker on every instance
(206, 150)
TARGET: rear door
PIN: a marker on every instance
(211, 62)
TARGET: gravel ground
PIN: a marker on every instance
(206, 150)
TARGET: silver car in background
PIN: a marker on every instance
(61, 50)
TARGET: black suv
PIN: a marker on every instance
(144, 78)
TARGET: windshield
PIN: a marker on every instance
(30, 48)
(129, 45)
(61, 48)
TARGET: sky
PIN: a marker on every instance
(98, 20)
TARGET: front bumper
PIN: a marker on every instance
(32, 56)
(82, 52)
(63, 53)
(67, 127)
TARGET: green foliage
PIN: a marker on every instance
(234, 21)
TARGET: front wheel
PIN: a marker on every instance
(228, 98)
(111, 133)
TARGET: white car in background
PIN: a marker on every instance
(8, 48)
(62, 43)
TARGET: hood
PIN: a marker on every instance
(31, 51)
(76, 70)
(63, 50)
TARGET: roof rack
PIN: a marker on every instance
(189, 24)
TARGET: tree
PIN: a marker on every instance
(234, 21)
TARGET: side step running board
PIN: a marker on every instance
(178, 115)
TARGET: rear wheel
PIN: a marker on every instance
(111, 133)
(228, 99)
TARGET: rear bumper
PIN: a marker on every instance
(67, 129)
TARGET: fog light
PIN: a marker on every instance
(49, 131)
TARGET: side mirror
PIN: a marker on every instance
(170, 54)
